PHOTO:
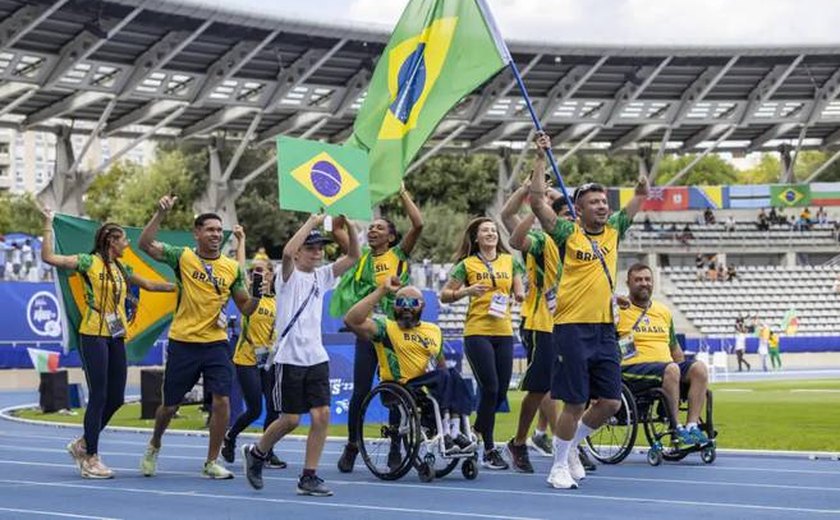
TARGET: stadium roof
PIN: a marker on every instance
(169, 68)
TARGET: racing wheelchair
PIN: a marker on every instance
(614, 441)
(402, 429)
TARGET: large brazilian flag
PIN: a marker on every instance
(74, 235)
(440, 51)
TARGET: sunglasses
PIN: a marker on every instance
(407, 303)
(586, 188)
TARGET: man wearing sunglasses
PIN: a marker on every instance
(586, 354)
(410, 351)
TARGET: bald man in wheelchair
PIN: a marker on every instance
(652, 356)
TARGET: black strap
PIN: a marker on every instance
(597, 252)
(300, 309)
(208, 269)
(489, 268)
(641, 316)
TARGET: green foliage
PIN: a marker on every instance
(20, 213)
(609, 170)
(442, 229)
(766, 171)
(711, 170)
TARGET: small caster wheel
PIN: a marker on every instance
(426, 473)
(469, 469)
(654, 457)
(708, 455)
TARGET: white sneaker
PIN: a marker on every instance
(216, 471)
(576, 469)
(561, 478)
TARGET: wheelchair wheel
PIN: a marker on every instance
(708, 454)
(390, 426)
(613, 441)
(655, 416)
(469, 468)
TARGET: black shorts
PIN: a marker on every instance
(299, 389)
(540, 351)
(186, 362)
(644, 376)
(586, 363)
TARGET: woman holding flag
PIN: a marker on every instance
(385, 256)
(102, 332)
(487, 273)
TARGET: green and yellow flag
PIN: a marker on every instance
(74, 235)
(789, 195)
(315, 176)
(440, 51)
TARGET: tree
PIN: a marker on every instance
(766, 171)
(20, 213)
(711, 170)
(442, 231)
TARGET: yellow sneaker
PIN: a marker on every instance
(148, 465)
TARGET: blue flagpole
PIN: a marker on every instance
(554, 167)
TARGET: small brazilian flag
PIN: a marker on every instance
(317, 176)
(440, 51)
(789, 195)
(74, 235)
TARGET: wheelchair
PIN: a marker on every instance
(401, 429)
(614, 441)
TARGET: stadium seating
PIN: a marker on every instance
(768, 291)
(745, 235)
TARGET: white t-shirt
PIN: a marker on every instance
(740, 341)
(302, 345)
(26, 253)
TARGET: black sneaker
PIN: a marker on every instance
(253, 466)
(395, 458)
(313, 486)
(519, 457)
(493, 460)
(348, 458)
(464, 442)
(229, 450)
(588, 463)
(449, 446)
(274, 462)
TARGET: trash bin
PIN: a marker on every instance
(151, 391)
(53, 391)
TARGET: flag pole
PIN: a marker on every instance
(506, 56)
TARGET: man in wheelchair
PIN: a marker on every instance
(652, 357)
(410, 351)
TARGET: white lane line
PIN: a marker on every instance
(732, 390)
(335, 505)
(815, 390)
(54, 513)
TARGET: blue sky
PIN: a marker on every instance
(608, 22)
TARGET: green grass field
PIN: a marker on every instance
(785, 415)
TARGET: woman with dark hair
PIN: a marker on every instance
(487, 273)
(386, 255)
(102, 332)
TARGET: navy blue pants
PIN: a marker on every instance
(103, 360)
(491, 361)
(364, 369)
(255, 383)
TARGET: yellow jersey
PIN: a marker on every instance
(773, 343)
(404, 354)
(587, 293)
(499, 277)
(204, 287)
(653, 336)
(104, 294)
(542, 262)
(257, 331)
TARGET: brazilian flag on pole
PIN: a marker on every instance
(788, 195)
(74, 235)
(315, 176)
(440, 51)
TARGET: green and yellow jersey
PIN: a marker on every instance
(200, 300)
(257, 331)
(473, 271)
(542, 263)
(406, 354)
(104, 293)
(653, 336)
(587, 295)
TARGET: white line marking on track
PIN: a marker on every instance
(815, 390)
(197, 494)
(54, 513)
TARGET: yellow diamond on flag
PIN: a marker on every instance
(325, 178)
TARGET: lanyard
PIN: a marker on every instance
(597, 252)
(300, 309)
(209, 270)
(639, 319)
(489, 268)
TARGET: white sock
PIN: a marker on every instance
(691, 425)
(583, 431)
(561, 452)
(538, 432)
(455, 426)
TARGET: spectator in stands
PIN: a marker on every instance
(721, 272)
(711, 268)
(647, 224)
(709, 217)
(805, 220)
(741, 343)
(442, 277)
(653, 357)
(699, 220)
(17, 260)
(822, 216)
(773, 350)
(836, 231)
(763, 344)
(729, 225)
(731, 273)
(428, 273)
(763, 223)
(700, 264)
(686, 235)
(28, 258)
(774, 217)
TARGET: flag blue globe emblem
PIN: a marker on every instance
(411, 80)
(790, 196)
(325, 178)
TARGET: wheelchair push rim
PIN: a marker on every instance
(404, 435)
(613, 442)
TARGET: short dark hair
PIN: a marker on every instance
(588, 187)
(638, 266)
(558, 204)
(204, 217)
